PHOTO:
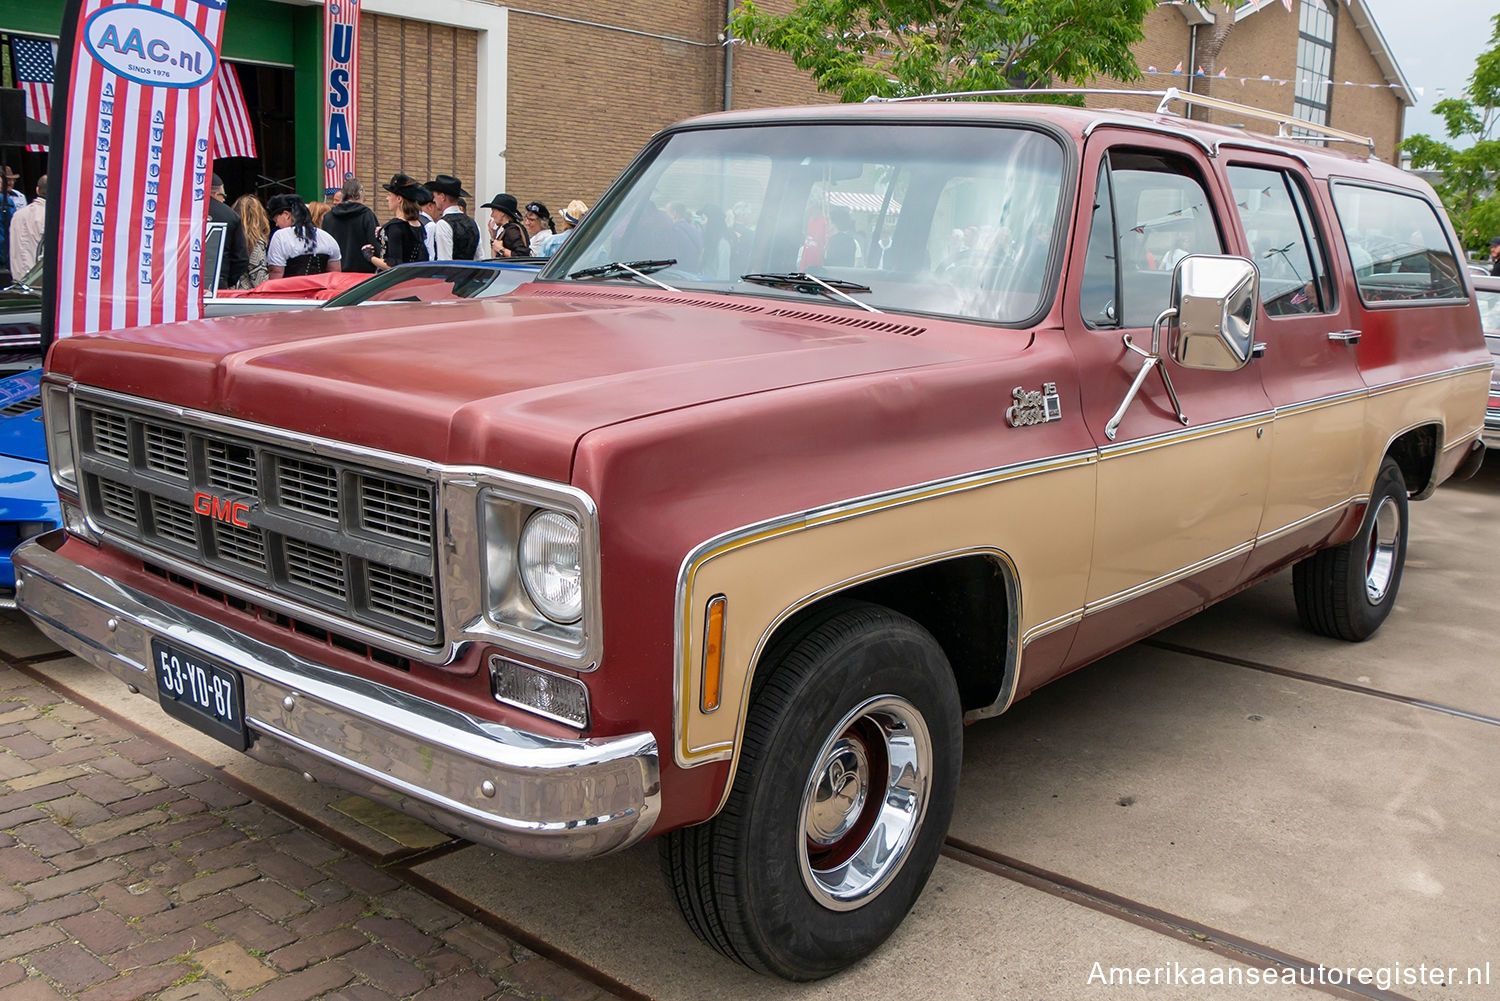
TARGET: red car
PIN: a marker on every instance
(829, 431)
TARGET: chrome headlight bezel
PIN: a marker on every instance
(58, 422)
(483, 592)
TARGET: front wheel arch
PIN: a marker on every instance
(970, 603)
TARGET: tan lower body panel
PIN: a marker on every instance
(1040, 522)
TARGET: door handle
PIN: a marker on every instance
(1347, 336)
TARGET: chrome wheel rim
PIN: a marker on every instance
(864, 801)
(1385, 537)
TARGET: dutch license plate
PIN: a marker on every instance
(201, 693)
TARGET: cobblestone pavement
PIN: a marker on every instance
(129, 871)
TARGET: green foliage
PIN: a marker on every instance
(894, 48)
(1470, 175)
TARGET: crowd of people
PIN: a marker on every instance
(287, 237)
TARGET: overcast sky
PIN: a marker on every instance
(1435, 43)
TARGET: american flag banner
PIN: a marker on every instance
(34, 61)
(134, 166)
(233, 134)
(341, 82)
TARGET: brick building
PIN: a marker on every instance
(1322, 61)
(550, 99)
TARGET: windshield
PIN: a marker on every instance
(948, 219)
(434, 283)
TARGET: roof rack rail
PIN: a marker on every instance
(1014, 92)
(1283, 122)
(1317, 133)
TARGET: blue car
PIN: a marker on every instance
(28, 503)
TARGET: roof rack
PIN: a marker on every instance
(1316, 132)
(1283, 123)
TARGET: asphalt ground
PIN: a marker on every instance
(1232, 797)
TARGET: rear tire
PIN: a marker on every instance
(853, 743)
(1346, 592)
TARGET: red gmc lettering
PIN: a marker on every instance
(219, 509)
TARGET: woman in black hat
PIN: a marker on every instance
(400, 241)
(507, 234)
(539, 227)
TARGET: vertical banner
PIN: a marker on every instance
(130, 158)
(341, 80)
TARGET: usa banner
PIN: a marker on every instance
(341, 78)
(130, 150)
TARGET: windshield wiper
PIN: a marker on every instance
(801, 281)
(638, 269)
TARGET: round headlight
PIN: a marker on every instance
(552, 565)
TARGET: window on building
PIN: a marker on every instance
(1314, 62)
(1397, 245)
(1283, 239)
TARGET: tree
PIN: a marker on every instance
(1470, 175)
(893, 48)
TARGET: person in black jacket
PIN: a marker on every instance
(353, 224)
(236, 257)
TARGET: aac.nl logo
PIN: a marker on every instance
(150, 46)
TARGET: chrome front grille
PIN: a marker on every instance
(310, 487)
(397, 510)
(166, 451)
(349, 540)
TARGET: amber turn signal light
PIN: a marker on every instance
(713, 653)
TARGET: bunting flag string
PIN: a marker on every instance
(1267, 78)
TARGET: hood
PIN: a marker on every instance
(21, 434)
(507, 383)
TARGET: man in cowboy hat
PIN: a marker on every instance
(509, 235)
(11, 202)
(429, 217)
(455, 237)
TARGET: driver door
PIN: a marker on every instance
(1179, 499)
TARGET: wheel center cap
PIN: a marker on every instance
(839, 797)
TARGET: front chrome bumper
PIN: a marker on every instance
(523, 793)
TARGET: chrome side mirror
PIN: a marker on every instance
(1215, 299)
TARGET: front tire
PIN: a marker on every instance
(845, 788)
(1346, 592)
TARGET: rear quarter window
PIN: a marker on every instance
(1397, 246)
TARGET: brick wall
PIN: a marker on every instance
(417, 93)
(1377, 111)
(583, 98)
(766, 79)
(1165, 44)
(1265, 44)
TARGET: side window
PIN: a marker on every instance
(1397, 245)
(1151, 212)
(1283, 239)
(1101, 288)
